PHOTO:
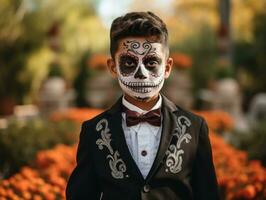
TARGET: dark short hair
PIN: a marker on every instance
(139, 24)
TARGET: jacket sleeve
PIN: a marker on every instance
(204, 182)
(82, 183)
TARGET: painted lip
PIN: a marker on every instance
(140, 87)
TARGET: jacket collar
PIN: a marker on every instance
(117, 107)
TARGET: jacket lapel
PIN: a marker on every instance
(168, 127)
(120, 141)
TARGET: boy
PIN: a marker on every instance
(144, 147)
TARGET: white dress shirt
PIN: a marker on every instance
(142, 139)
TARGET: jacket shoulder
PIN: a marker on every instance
(190, 114)
(92, 122)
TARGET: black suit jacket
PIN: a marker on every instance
(183, 168)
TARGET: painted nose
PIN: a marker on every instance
(139, 74)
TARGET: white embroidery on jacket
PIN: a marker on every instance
(117, 165)
(174, 153)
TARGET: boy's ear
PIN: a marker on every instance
(168, 67)
(111, 66)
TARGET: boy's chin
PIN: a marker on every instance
(142, 99)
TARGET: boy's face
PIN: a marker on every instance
(141, 67)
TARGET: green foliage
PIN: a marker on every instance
(81, 80)
(222, 72)
(27, 31)
(18, 38)
(250, 58)
(253, 142)
(55, 70)
(20, 142)
(201, 46)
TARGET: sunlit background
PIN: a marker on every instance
(53, 76)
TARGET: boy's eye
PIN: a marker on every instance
(152, 63)
(129, 63)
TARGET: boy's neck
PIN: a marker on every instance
(143, 104)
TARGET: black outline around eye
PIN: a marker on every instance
(147, 59)
(123, 57)
(127, 70)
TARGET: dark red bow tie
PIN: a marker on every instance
(152, 117)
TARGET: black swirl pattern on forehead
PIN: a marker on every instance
(133, 46)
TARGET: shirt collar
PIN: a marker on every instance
(132, 107)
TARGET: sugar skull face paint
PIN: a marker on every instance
(140, 65)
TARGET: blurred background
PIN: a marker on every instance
(53, 76)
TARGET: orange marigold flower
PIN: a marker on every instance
(249, 192)
(181, 60)
(98, 61)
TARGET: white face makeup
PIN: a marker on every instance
(141, 67)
